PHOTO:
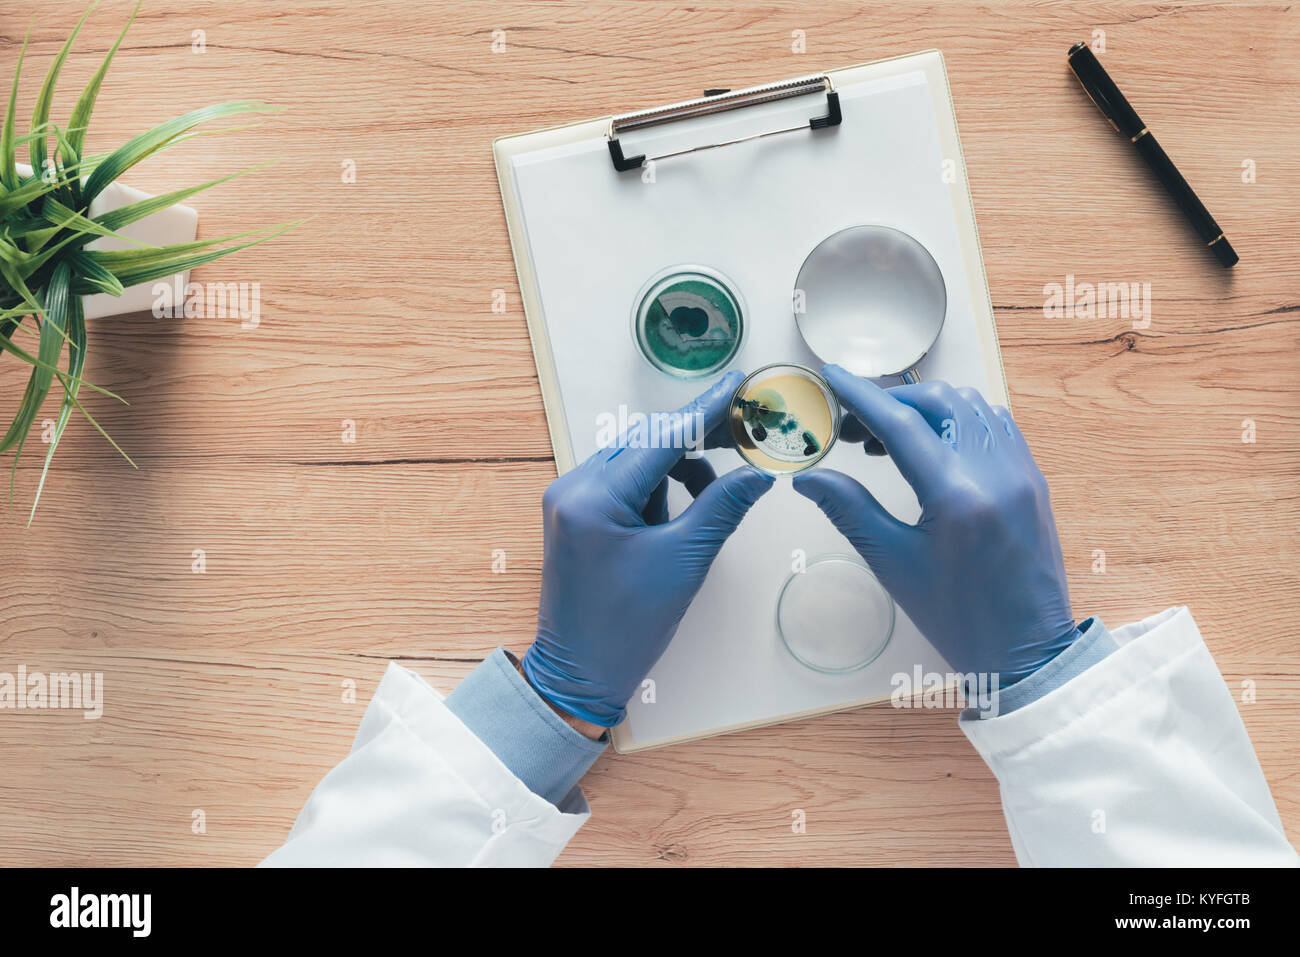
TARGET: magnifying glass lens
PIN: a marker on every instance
(872, 299)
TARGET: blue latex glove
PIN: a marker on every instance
(617, 575)
(981, 573)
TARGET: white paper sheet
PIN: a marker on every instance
(753, 211)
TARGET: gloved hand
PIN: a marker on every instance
(981, 573)
(617, 576)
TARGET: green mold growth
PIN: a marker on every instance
(774, 429)
(689, 325)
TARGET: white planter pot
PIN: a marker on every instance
(176, 224)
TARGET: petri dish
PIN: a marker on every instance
(834, 616)
(688, 321)
(784, 418)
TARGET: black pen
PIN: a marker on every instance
(1103, 91)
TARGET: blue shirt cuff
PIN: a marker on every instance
(535, 743)
(1093, 644)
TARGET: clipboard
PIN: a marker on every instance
(747, 181)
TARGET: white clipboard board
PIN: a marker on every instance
(747, 182)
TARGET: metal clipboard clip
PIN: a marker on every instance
(722, 101)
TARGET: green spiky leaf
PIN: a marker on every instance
(60, 216)
(133, 212)
(45, 99)
(8, 165)
(76, 362)
(46, 227)
(80, 119)
(56, 309)
(160, 137)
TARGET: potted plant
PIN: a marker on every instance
(53, 211)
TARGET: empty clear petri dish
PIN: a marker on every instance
(784, 418)
(688, 321)
(834, 616)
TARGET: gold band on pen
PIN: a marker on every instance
(1215, 240)
(1141, 134)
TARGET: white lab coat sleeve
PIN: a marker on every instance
(419, 789)
(1140, 760)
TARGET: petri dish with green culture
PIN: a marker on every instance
(688, 321)
(784, 418)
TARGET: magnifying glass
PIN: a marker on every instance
(871, 299)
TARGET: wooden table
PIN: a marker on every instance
(225, 691)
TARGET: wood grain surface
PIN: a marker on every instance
(224, 691)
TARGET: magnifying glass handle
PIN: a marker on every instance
(910, 377)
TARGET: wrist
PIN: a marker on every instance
(1093, 645)
(585, 728)
(1044, 655)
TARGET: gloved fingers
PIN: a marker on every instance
(910, 441)
(1003, 416)
(1013, 438)
(720, 437)
(656, 509)
(718, 509)
(947, 413)
(694, 473)
(852, 430)
(984, 413)
(642, 460)
(867, 524)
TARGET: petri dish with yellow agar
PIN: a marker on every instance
(834, 616)
(688, 321)
(784, 418)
